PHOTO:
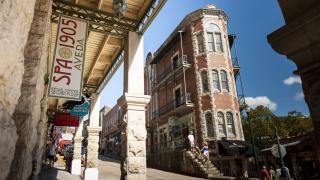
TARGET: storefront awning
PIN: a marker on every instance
(233, 147)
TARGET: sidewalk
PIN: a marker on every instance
(57, 172)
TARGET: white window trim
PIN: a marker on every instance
(214, 40)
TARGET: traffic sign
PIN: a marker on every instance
(275, 150)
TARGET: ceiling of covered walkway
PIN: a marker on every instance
(104, 49)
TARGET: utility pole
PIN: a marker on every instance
(253, 143)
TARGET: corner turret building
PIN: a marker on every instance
(191, 79)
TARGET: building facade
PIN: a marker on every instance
(191, 81)
(111, 135)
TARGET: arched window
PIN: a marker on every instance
(213, 27)
(224, 80)
(204, 79)
(221, 124)
(214, 38)
(209, 125)
(230, 126)
(215, 80)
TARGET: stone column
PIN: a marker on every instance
(77, 143)
(93, 138)
(27, 113)
(299, 40)
(133, 103)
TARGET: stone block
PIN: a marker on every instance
(136, 165)
(136, 133)
(38, 26)
(8, 138)
(43, 5)
(91, 174)
(34, 46)
(76, 167)
(136, 177)
(31, 67)
(26, 100)
(136, 148)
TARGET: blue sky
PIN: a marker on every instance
(263, 71)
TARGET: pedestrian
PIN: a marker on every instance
(264, 174)
(272, 172)
(285, 172)
(52, 153)
(205, 149)
(278, 171)
(191, 140)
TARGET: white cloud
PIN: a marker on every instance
(299, 96)
(292, 80)
(261, 100)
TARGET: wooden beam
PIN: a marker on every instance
(100, 4)
(105, 40)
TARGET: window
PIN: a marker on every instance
(215, 80)
(230, 126)
(163, 137)
(217, 37)
(224, 80)
(210, 41)
(221, 124)
(209, 125)
(204, 79)
(200, 43)
(214, 38)
(175, 62)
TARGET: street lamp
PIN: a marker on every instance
(247, 110)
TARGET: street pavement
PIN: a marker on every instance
(109, 169)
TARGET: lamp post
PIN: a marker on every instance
(247, 110)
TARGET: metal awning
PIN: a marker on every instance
(104, 50)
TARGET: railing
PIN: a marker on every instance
(174, 104)
(170, 68)
(242, 102)
(235, 62)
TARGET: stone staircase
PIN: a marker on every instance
(202, 162)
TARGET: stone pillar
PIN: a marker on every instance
(77, 143)
(93, 137)
(133, 103)
(16, 17)
(299, 40)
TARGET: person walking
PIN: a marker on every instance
(52, 153)
(264, 174)
(273, 175)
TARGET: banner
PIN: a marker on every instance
(65, 119)
(68, 59)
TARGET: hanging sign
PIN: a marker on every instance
(65, 119)
(80, 110)
(68, 59)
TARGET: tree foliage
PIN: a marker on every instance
(263, 123)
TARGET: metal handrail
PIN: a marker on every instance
(181, 61)
(172, 105)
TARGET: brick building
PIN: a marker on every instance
(191, 79)
(111, 136)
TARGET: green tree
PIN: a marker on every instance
(263, 123)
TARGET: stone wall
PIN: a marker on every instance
(15, 21)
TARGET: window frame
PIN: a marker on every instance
(214, 30)
(233, 133)
(209, 125)
(206, 84)
(200, 43)
(226, 81)
(222, 124)
(217, 81)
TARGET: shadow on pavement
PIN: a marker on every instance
(48, 173)
(104, 158)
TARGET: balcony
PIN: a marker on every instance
(242, 102)
(236, 67)
(170, 70)
(174, 107)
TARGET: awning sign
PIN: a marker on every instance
(80, 110)
(68, 60)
